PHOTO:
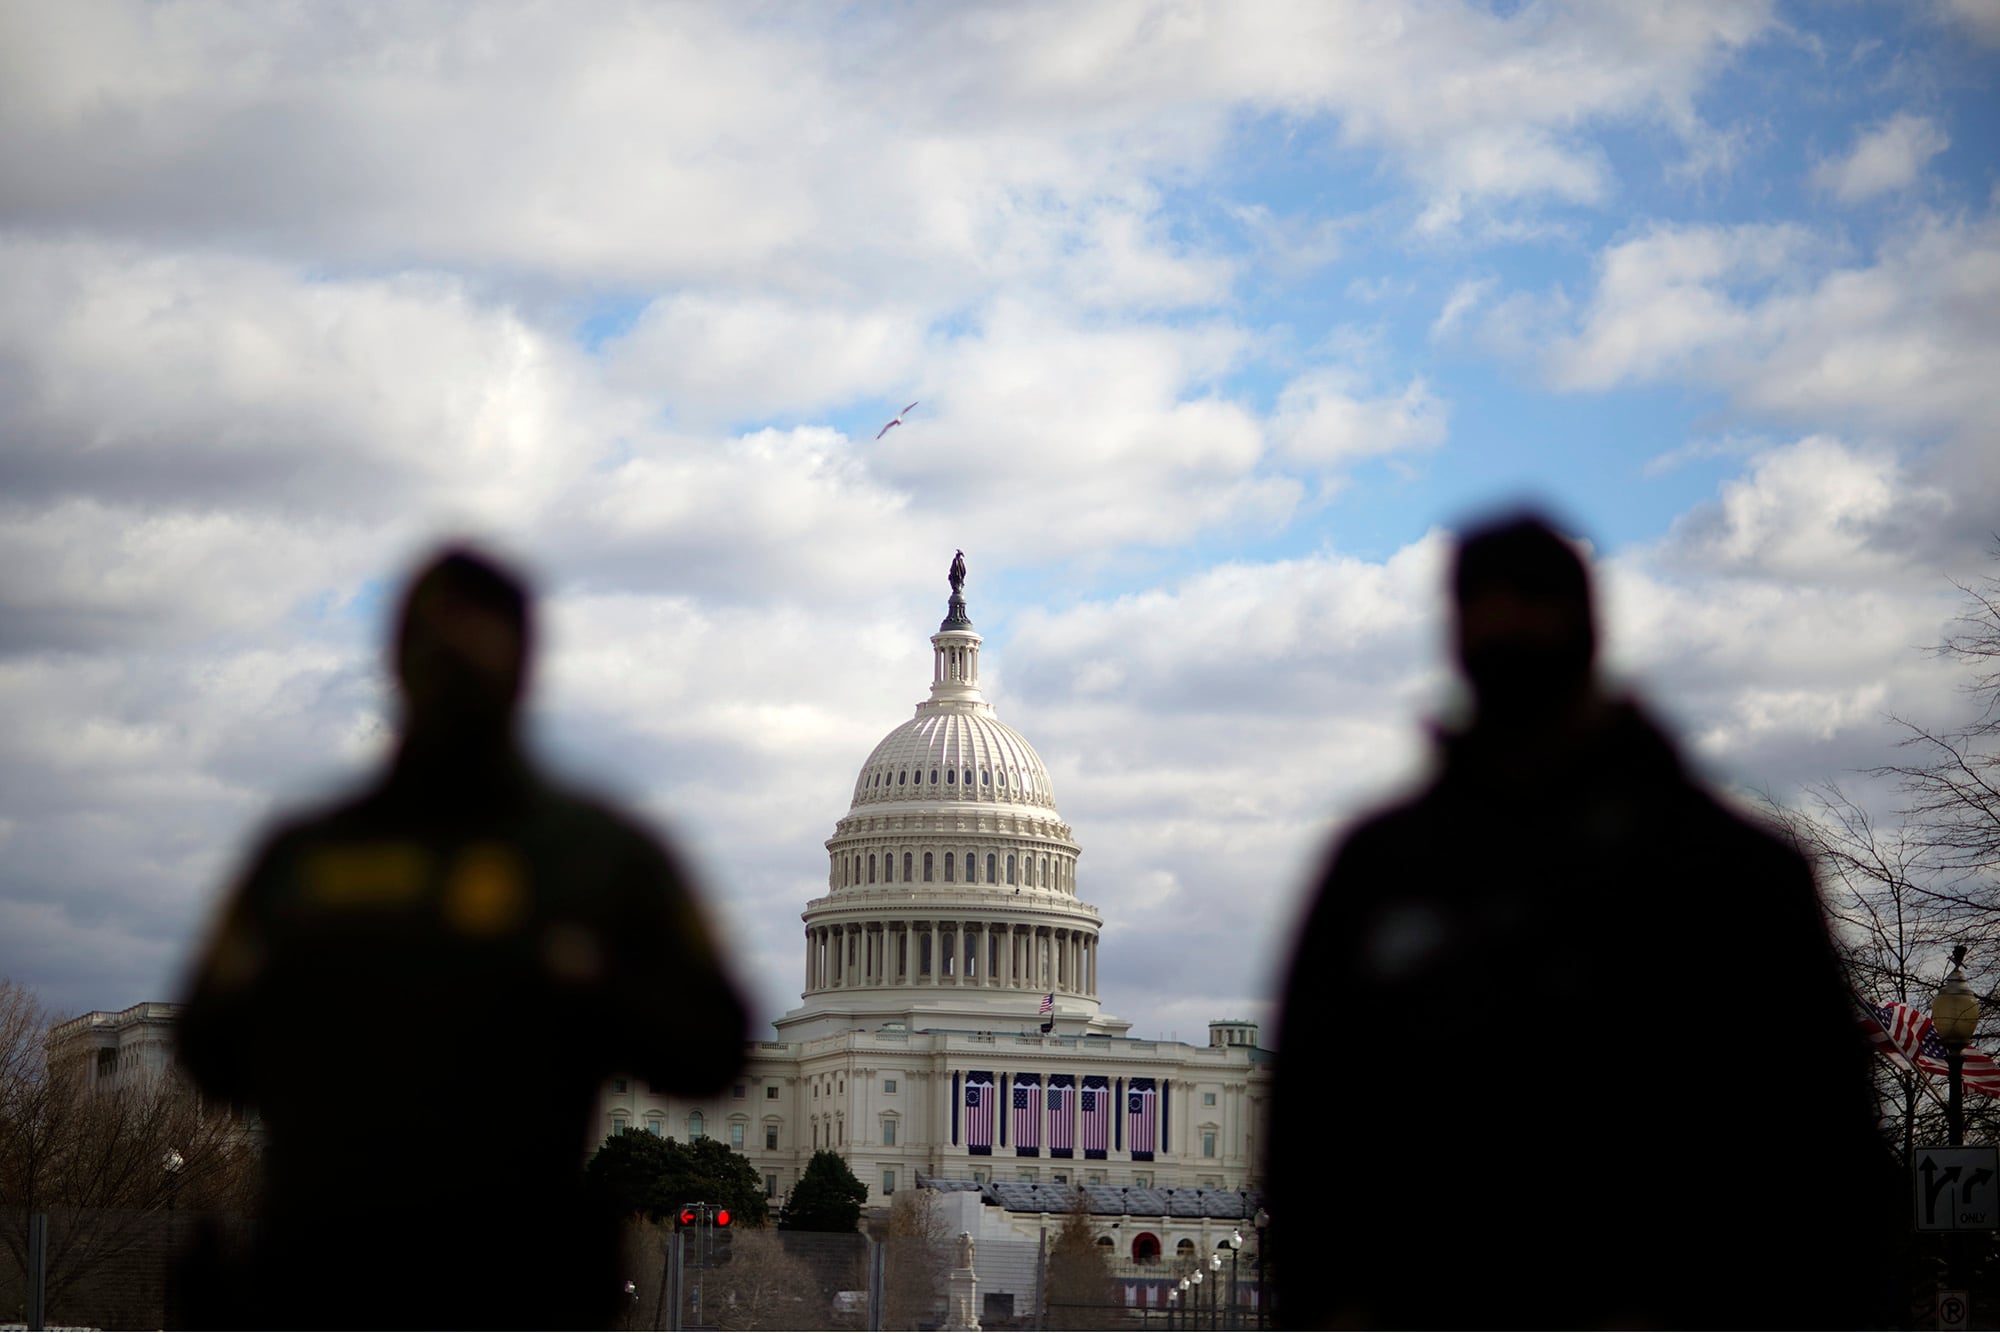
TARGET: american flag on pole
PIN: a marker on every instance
(1062, 1115)
(1027, 1115)
(1096, 1112)
(1049, 1003)
(979, 1118)
(1142, 1106)
(1906, 1035)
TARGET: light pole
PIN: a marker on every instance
(1196, 1277)
(1214, 1291)
(1955, 1015)
(1955, 1018)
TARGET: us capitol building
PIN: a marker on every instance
(950, 1029)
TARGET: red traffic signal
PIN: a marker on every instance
(689, 1215)
(720, 1217)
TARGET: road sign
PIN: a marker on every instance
(1956, 1189)
(1954, 1310)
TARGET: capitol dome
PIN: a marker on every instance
(955, 756)
(951, 891)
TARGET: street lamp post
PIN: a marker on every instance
(1214, 1291)
(1955, 1015)
(1196, 1278)
(1955, 1018)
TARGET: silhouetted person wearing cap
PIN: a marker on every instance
(423, 990)
(1565, 1042)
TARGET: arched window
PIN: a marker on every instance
(1184, 1249)
(951, 777)
(985, 777)
(990, 878)
(695, 1126)
(927, 867)
(871, 867)
(1045, 872)
(971, 869)
(1010, 867)
(947, 867)
(1003, 781)
(1145, 1248)
(934, 777)
(903, 777)
(909, 859)
(888, 867)
(968, 777)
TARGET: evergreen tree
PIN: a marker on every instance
(637, 1174)
(827, 1197)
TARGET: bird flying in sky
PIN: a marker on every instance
(893, 424)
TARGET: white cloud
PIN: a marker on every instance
(1886, 158)
(1323, 417)
(1981, 18)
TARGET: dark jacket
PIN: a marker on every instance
(1565, 1043)
(422, 992)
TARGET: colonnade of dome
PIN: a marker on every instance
(963, 952)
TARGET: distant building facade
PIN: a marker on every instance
(111, 1051)
(950, 935)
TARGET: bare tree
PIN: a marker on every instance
(106, 1167)
(917, 1264)
(1082, 1291)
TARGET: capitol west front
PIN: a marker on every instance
(951, 918)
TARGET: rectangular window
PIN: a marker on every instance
(888, 1182)
(736, 1133)
(888, 1133)
(1208, 1143)
(771, 1093)
(1208, 1099)
(888, 1085)
(771, 1137)
(1027, 1175)
(618, 1085)
(739, 1092)
(1060, 1177)
(1095, 1178)
(1144, 1180)
(770, 1187)
(617, 1124)
(653, 1125)
(978, 1177)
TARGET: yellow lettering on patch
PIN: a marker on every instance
(488, 890)
(369, 874)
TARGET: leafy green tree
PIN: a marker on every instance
(827, 1197)
(637, 1174)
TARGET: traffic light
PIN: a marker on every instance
(688, 1216)
(721, 1238)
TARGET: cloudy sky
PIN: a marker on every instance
(1221, 317)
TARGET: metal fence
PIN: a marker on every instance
(118, 1270)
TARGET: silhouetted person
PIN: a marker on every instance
(423, 990)
(1565, 1042)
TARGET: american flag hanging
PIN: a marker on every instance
(1049, 1003)
(979, 1112)
(1062, 1115)
(1142, 1111)
(1095, 1109)
(1027, 1115)
(1906, 1034)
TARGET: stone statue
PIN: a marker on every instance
(965, 1249)
(957, 574)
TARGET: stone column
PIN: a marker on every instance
(934, 955)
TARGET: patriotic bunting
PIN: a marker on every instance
(1095, 1111)
(1027, 1115)
(1141, 1112)
(1062, 1115)
(979, 1117)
